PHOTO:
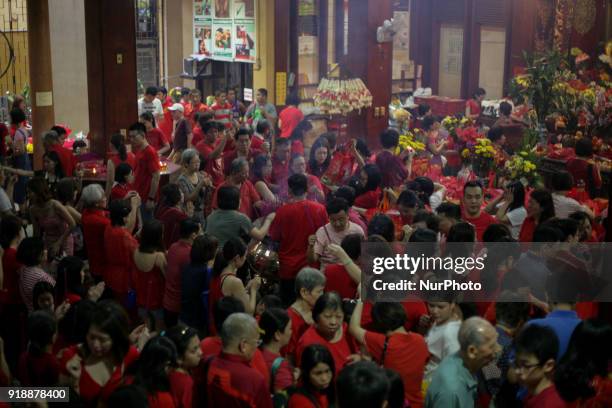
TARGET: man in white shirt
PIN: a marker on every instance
(562, 183)
(150, 103)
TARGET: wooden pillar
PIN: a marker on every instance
(41, 79)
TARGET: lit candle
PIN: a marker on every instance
(94, 171)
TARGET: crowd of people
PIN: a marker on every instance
(139, 293)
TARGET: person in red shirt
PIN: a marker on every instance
(155, 137)
(166, 123)
(280, 162)
(94, 220)
(124, 182)
(371, 180)
(118, 154)
(147, 171)
(222, 109)
(228, 379)
(329, 330)
(290, 116)
(394, 348)
(276, 327)
(309, 286)
(178, 257)
(119, 248)
(338, 279)
(211, 150)
(198, 133)
(473, 106)
(540, 208)
(51, 141)
(534, 366)
(583, 169)
(171, 212)
(98, 365)
(394, 169)
(473, 198)
(150, 371)
(38, 367)
(262, 135)
(243, 149)
(294, 223)
(297, 136)
(318, 372)
(195, 106)
(189, 354)
(239, 177)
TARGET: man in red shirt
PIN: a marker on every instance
(293, 224)
(147, 171)
(290, 116)
(195, 106)
(94, 220)
(198, 133)
(229, 379)
(239, 177)
(68, 160)
(222, 109)
(211, 149)
(243, 149)
(473, 197)
(280, 161)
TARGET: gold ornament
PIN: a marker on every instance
(585, 14)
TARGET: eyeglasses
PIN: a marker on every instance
(523, 367)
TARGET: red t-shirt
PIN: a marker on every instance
(293, 224)
(119, 191)
(392, 169)
(179, 256)
(527, 230)
(368, 199)
(289, 118)
(338, 279)
(297, 147)
(212, 346)
(156, 139)
(298, 327)
(474, 107)
(166, 124)
(280, 171)
(548, 398)
(147, 163)
(284, 374)
(10, 293)
(181, 388)
(119, 253)
(256, 142)
(198, 135)
(480, 223)
(94, 222)
(212, 167)
(130, 159)
(299, 400)
(340, 350)
(407, 354)
(67, 159)
(248, 197)
(171, 218)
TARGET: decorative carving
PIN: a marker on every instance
(585, 15)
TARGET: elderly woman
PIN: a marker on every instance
(297, 165)
(193, 182)
(50, 219)
(330, 330)
(309, 286)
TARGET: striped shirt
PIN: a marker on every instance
(28, 278)
(223, 114)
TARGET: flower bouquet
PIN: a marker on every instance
(519, 167)
(409, 142)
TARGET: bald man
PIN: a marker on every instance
(230, 380)
(454, 383)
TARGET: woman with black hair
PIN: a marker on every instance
(189, 354)
(151, 371)
(297, 136)
(382, 225)
(124, 182)
(371, 180)
(150, 267)
(154, 136)
(50, 219)
(330, 330)
(276, 326)
(473, 106)
(509, 207)
(318, 372)
(582, 168)
(37, 366)
(118, 154)
(97, 367)
(53, 169)
(262, 181)
(583, 374)
(224, 281)
(320, 157)
(429, 193)
(171, 211)
(195, 279)
(539, 209)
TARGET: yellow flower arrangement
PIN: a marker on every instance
(408, 141)
(465, 153)
(522, 80)
(484, 148)
(518, 167)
